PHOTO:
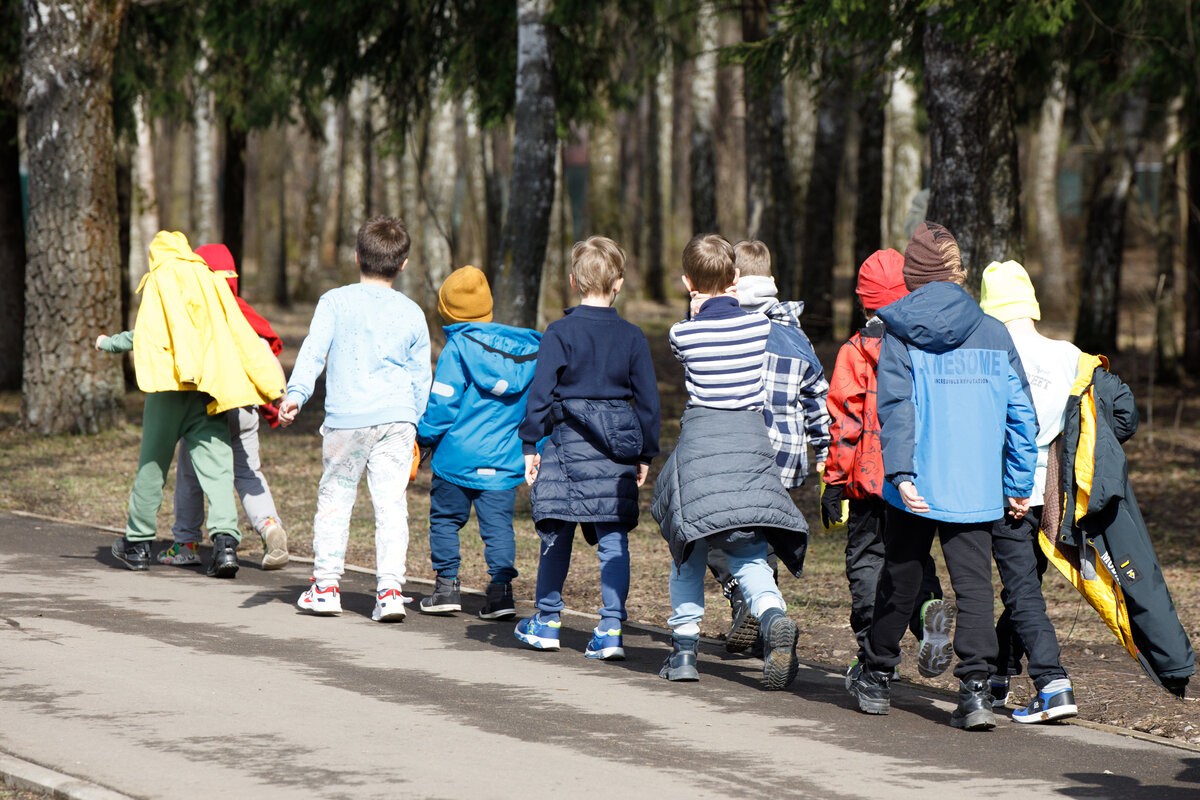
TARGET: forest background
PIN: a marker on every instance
(1064, 134)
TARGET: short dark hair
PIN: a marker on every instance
(708, 263)
(382, 246)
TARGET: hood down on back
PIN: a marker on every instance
(190, 334)
(954, 406)
(476, 403)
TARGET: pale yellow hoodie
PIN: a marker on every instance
(190, 334)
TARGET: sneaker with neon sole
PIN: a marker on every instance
(180, 554)
(324, 601)
(606, 645)
(538, 632)
(936, 652)
(389, 606)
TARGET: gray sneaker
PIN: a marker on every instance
(275, 549)
(446, 597)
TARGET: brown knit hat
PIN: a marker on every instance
(465, 296)
(932, 255)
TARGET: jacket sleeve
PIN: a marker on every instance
(445, 396)
(846, 403)
(313, 352)
(1020, 432)
(645, 396)
(418, 366)
(551, 361)
(814, 390)
(1124, 411)
(897, 414)
(120, 343)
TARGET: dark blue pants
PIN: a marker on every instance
(612, 548)
(1024, 628)
(449, 509)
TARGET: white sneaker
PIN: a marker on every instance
(324, 601)
(275, 552)
(389, 606)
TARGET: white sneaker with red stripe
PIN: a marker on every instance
(321, 600)
(389, 606)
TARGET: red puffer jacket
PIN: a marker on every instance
(855, 453)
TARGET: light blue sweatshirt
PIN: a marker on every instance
(374, 344)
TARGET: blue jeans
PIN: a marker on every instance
(612, 548)
(449, 509)
(747, 563)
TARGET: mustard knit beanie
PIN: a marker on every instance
(465, 296)
(1007, 292)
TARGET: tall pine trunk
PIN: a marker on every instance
(702, 159)
(1055, 282)
(655, 287)
(820, 216)
(868, 213)
(518, 264)
(12, 226)
(1104, 240)
(975, 184)
(1166, 353)
(1191, 297)
(901, 159)
(352, 199)
(73, 278)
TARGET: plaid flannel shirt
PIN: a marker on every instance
(796, 390)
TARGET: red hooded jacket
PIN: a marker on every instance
(220, 261)
(855, 452)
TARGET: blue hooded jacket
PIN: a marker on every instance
(476, 403)
(954, 406)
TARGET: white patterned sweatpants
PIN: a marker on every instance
(385, 453)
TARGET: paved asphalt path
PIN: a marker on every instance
(171, 684)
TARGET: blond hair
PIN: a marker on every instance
(597, 264)
(752, 257)
(708, 263)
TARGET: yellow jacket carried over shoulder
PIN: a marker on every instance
(190, 334)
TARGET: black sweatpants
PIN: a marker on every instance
(1024, 629)
(967, 547)
(864, 561)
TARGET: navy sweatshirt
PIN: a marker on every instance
(592, 354)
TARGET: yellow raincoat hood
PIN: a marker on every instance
(190, 334)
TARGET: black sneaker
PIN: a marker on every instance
(779, 636)
(974, 712)
(743, 630)
(445, 599)
(499, 602)
(135, 555)
(681, 664)
(872, 689)
(224, 562)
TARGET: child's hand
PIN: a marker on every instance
(915, 503)
(288, 410)
(100, 340)
(643, 471)
(532, 463)
(1018, 506)
(697, 301)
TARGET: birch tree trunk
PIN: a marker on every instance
(433, 238)
(352, 205)
(901, 159)
(1104, 241)
(12, 226)
(975, 183)
(204, 145)
(1166, 350)
(702, 164)
(655, 288)
(73, 274)
(518, 265)
(145, 205)
(1055, 282)
(729, 136)
(320, 226)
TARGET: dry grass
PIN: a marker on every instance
(88, 478)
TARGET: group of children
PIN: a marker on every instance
(932, 389)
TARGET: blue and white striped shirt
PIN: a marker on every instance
(722, 349)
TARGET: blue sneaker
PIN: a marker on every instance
(1056, 701)
(605, 645)
(538, 632)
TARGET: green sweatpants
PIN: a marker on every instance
(169, 417)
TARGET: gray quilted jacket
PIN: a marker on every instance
(722, 477)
